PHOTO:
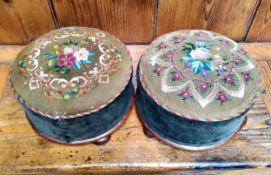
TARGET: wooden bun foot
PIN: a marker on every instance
(102, 141)
(147, 132)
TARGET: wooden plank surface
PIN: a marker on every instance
(135, 21)
(24, 151)
(4, 72)
(22, 21)
(230, 17)
(261, 26)
(130, 20)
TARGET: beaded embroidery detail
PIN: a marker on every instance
(66, 58)
(202, 66)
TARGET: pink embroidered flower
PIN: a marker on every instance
(200, 34)
(228, 79)
(176, 76)
(48, 93)
(204, 86)
(162, 46)
(88, 46)
(158, 70)
(185, 94)
(237, 61)
(221, 96)
(246, 76)
(224, 43)
(168, 55)
(66, 60)
(60, 92)
(178, 40)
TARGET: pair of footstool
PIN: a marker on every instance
(194, 87)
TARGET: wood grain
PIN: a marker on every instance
(129, 20)
(9, 53)
(259, 51)
(129, 151)
(4, 69)
(266, 83)
(261, 26)
(230, 17)
(22, 21)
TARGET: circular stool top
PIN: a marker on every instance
(199, 75)
(71, 72)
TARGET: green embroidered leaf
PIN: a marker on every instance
(90, 60)
(50, 56)
(186, 50)
(70, 42)
(91, 53)
(66, 96)
(191, 45)
(225, 58)
(57, 68)
(189, 59)
(65, 70)
(226, 63)
(75, 91)
(207, 66)
(22, 63)
(50, 62)
(119, 57)
(211, 58)
(74, 43)
(77, 65)
(197, 66)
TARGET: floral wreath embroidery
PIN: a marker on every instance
(68, 57)
(202, 66)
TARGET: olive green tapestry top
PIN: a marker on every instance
(200, 75)
(71, 72)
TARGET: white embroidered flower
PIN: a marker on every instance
(70, 49)
(200, 54)
(82, 54)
